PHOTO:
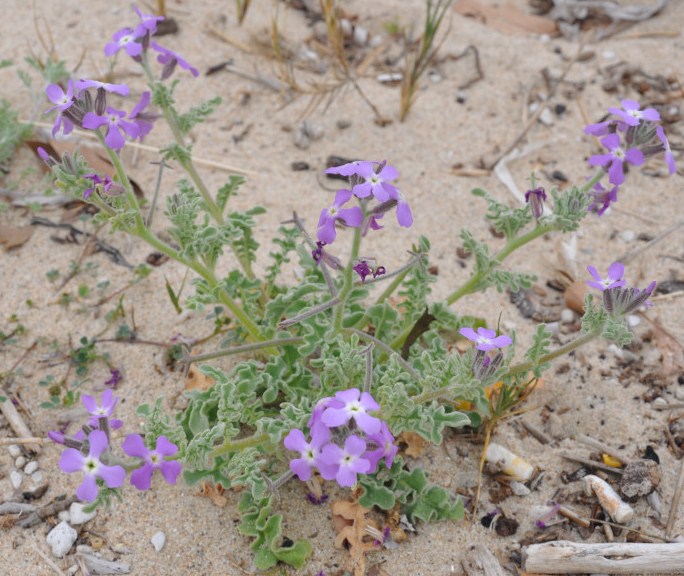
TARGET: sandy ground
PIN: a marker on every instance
(591, 393)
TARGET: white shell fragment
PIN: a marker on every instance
(618, 510)
(61, 538)
(158, 541)
(510, 463)
(78, 516)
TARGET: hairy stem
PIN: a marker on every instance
(348, 278)
(237, 445)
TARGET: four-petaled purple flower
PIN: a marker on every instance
(310, 452)
(153, 460)
(385, 448)
(62, 101)
(105, 408)
(614, 279)
(348, 460)
(486, 339)
(169, 59)
(127, 39)
(148, 23)
(601, 198)
(105, 181)
(116, 126)
(355, 168)
(614, 161)
(632, 115)
(73, 461)
(376, 183)
(350, 216)
(352, 404)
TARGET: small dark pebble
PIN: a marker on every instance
(156, 259)
(300, 166)
(643, 237)
(166, 26)
(651, 454)
(462, 253)
(560, 109)
(506, 526)
(434, 270)
(558, 175)
(343, 124)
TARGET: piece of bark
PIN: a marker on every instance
(563, 557)
(479, 561)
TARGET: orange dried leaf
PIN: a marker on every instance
(214, 492)
(415, 443)
(13, 236)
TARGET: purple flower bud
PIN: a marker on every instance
(620, 301)
(363, 269)
(536, 198)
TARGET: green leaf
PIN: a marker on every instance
(172, 296)
(197, 114)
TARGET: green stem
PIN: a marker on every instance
(239, 445)
(246, 348)
(594, 180)
(348, 277)
(380, 344)
(510, 247)
(565, 349)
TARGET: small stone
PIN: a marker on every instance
(628, 236)
(64, 516)
(61, 538)
(679, 393)
(608, 54)
(78, 515)
(14, 451)
(519, 489)
(31, 467)
(20, 462)
(37, 477)
(360, 36)
(567, 316)
(343, 124)
(652, 356)
(389, 77)
(634, 321)
(660, 401)
(73, 569)
(16, 478)
(375, 41)
(640, 478)
(461, 96)
(546, 117)
(158, 541)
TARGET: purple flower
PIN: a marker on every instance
(352, 404)
(363, 269)
(153, 460)
(600, 129)
(114, 119)
(632, 115)
(143, 120)
(404, 215)
(601, 198)
(103, 410)
(614, 161)
(350, 216)
(120, 89)
(319, 254)
(73, 461)
(376, 183)
(62, 101)
(148, 23)
(310, 452)
(620, 301)
(614, 279)
(486, 339)
(669, 159)
(318, 410)
(127, 39)
(385, 448)
(114, 379)
(356, 168)
(106, 183)
(349, 460)
(169, 59)
(536, 198)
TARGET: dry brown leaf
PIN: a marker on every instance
(198, 381)
(574, 296)
(506, 18)
(214, 492)
(415, 443)
(14, 236)
(350, 523)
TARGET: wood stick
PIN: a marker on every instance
(32, 440)
(592, 464)
(479, 561)
(603, 448)
(675, 501)
(563, 557)
(17, 422)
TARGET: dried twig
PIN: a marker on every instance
(598, 445)
(675, 500)
(592, 464)
(17, 423)
(48, 560)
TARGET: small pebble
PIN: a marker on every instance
(608, 54)
(14, 451)
(633, 321)
(628, 236)
(375, 41)
(461, 96)
(435, 77)
(519, 489)
(31, 467)
(16, 478)
(567, 316)
(553, 327)
(679, 393)
(660, 401)
(73, 569)
(61, 538)
(360, 36)
(64, 516)
(388, 77)
(20, 462)
(158, 541)
(343, 124)
(78, 516)
(546, 117)
(37, 477)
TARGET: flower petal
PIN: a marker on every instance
(71, 461)
(113, 476)
(87, 491)
(142, 477)
(165, 447)
(98, 443)
(170, 471)
(134, 446)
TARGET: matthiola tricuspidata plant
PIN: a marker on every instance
(351, 355)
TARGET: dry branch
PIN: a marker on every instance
(563, 557)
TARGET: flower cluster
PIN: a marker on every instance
(630, 137)
(619, 299)
(345, 439)
(89, 452)
(76, 105)
(367, 180)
